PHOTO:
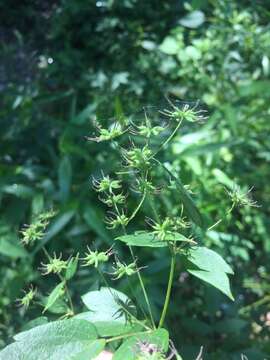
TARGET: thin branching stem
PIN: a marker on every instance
(168, 139)
(139, 275)
(169, 289)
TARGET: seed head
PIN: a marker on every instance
(148, 131)
(187, 113)
(106, 184)
(94, 258)
(122, 269)
(113, 199)
(108, 134)
(241, 198)
(138, 158)
(162, 229)
(26, 300)
(55, 265)
(117, 220)
(35, 231)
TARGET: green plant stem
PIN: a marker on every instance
(220, 220)
(168, 293)
(138, 207)
(143, 289)
(139, 275)
(168, 139)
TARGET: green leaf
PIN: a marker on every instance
(72, 267)
(186, 199)
(64, 178)
(41, 320)
(142, 239)
(71, 339)
(84, 115)
(11, 247)
(178, 237)
(19, 190)
(57, 292)
(94, 220)
(193, 20)
(208, 260)
(209, 266)
(59, 307)
(130, 347)
(106, 311)
(149, 239)
(170, 46)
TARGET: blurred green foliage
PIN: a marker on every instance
(65, 64)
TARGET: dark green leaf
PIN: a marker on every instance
(64, 178)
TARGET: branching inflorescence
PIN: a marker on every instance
(134, 190)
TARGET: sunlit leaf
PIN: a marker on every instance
(106, 311)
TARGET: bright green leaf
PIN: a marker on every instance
(193, 20)
(209, 266)
(54, 295)
(72, 267)
(170, 46)
(106, 311)
(142, 239)
(130, 347)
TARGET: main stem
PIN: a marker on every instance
(139, 275)
(168, 293)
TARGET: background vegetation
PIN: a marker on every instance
(65, 64)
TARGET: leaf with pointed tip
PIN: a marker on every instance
(142, 238)
(72, 267)
(209, 266)
(54, 295)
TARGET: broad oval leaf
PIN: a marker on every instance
(130, 348)
(106, 311)
(71, 339)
